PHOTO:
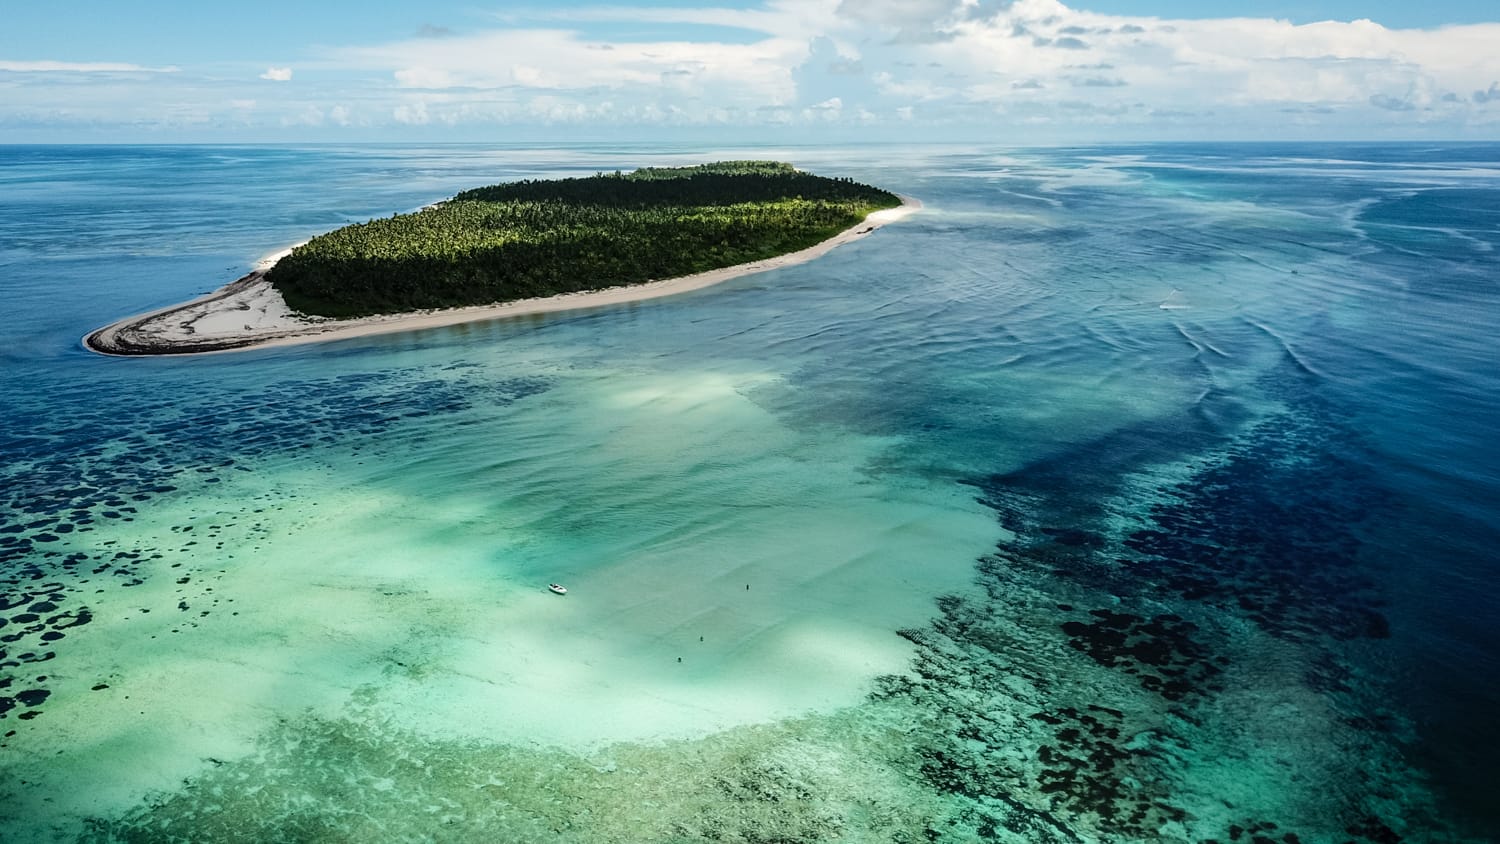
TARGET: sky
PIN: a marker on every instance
(1009, 71)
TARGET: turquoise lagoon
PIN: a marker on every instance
(1122, 494)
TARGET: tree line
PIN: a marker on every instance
(541, 238)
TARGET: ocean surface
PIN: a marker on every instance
(1122, 494)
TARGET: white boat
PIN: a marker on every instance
(558, 588)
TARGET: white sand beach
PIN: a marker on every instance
(250, 313)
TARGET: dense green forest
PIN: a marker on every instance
(540, 238)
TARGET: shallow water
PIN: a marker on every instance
(1122, 494)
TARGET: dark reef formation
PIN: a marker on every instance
(1227, 605)
(68, 481)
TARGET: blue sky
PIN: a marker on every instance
(1022, 71)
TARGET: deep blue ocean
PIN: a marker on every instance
(1124, 493)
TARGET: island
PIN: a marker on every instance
(519, 248)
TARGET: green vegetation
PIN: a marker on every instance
(542, 238)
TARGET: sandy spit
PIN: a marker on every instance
(250, 313)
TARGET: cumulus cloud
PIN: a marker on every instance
(899, 13)
(963, 59)
(736, 76)
(411, 114)
(829, 109)
(308, 115)
(911, 21)
(1023, 57)
(976, 62)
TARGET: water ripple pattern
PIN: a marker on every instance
(1124, 494)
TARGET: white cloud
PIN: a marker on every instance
(423, 77)
(782, 18)
(1024, 58)
(81, 67)
(960, 60)
(913, 21)
(531, 77)
(981, 63)
(727, 75)
(308, 115)
(411, 114)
